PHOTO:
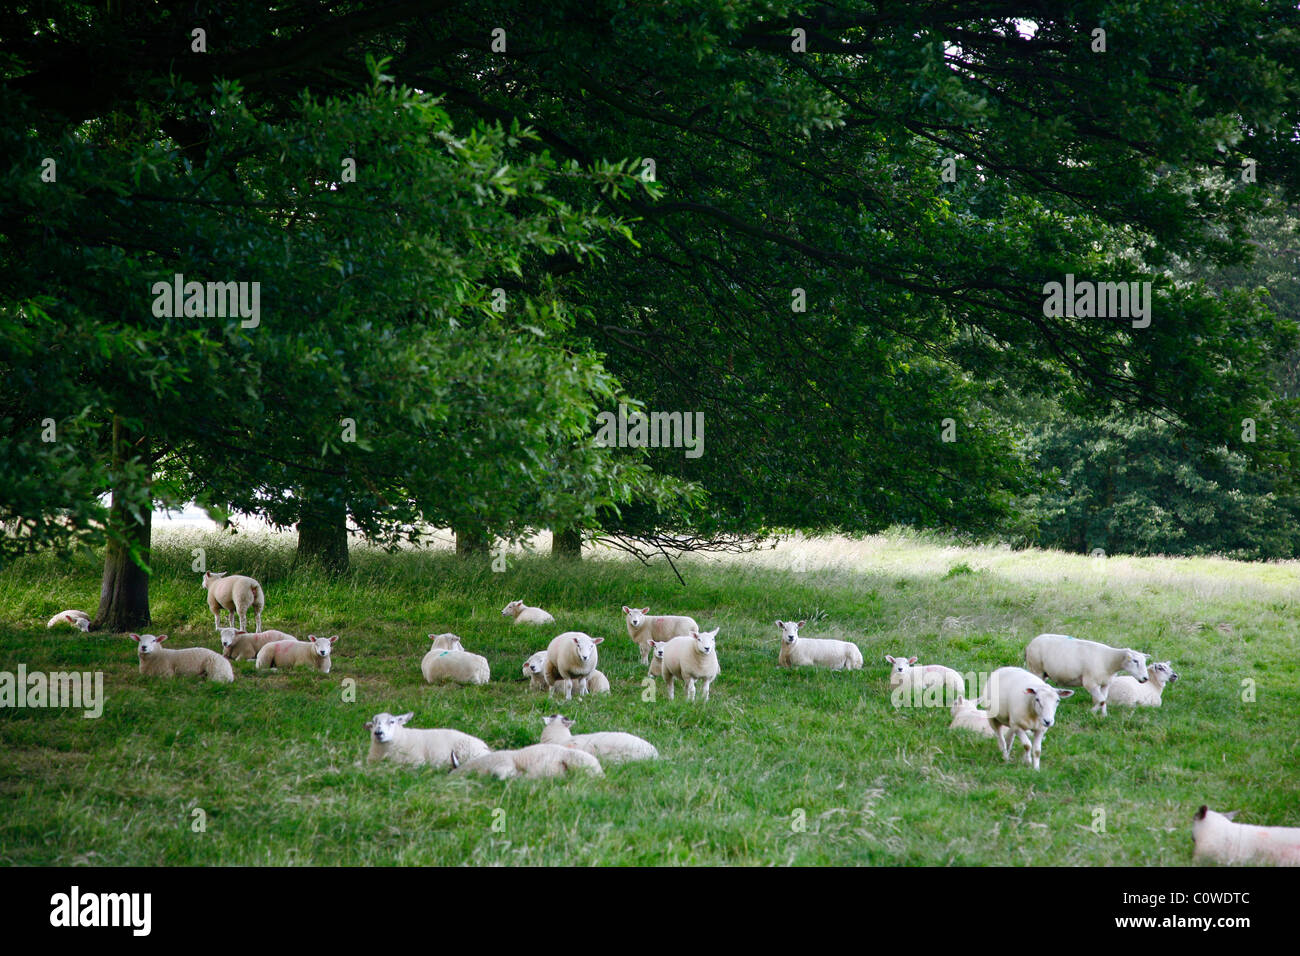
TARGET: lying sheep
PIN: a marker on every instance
(799, 651)
(609, 746)
(242, 646)
(1019, 704)
(159, 661)
(1087, 664)
(535, 671)
(967, 716)
(597, 683)
(391, 739)
(691, 658)
(314, 651)
(1220, 840)
(78, 619)
(571, 657)
(235, 594)
(1125, 690)
(449, 663)
(643, 628)
(538, 760)
(523, 614)
(930, 683)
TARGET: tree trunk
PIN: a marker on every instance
(471, 541)
(567, 544)
(124, 590)
(323, 534)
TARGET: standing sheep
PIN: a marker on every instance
(571, 657)
(447, 662)
(1125, 690)
(657, 658)
(967, 716)
(159, 661)
(925, 685)
(643, 628)
(523, 614)
(241, 646)
(1087, 664)
(799, 651)
(538, 760)
(314, 651)
(391, 739)
(1220, 840)
(1019, 704)
(78, 619)
(235, 594)
(609, 746)
(691, 658)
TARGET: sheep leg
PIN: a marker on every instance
(1004, 740)
(645, 653)
(1098, 696)
(1104, 690)
(706, 684)
(690, 688)
(259, 620)
(668, 679)
(1038, 745)
(1023, 736)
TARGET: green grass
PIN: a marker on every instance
(277, 761)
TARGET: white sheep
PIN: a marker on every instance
(643, 628)
(799, 651)
(314, 651)
(571, 658)
(1125, 690)
(535, 671)
(1018, 704)
(159, 661)
(241, 646)
(691, 658)
(609, 746)
(1219, 840)
(929, 683)
(1087, 664)
(967, 716)
(391, 739)
(447, 662)
(78, 619)
(538, 760)
(234, 594)
(657, 658)
(523, 614)
(446, 642)
(597, 683)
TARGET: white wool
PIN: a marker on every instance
(643, 627)
(915, 685)
(314, 652)
(799, 651)
(446, 642)
(1125, 690)
(535, 671)
(1019, 704)
(234, 594)
(1217, 838)
(657, 658)
(78, 619)
(391, 739)
(240, 646)
(538, 760)
(571, 659)
(159, 661)
(597, 683)
(967, 716)
(454, 666)
(523, 614)
(692, 658)
(1072, 662)
(609, 746)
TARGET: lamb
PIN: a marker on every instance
(571, 657)
(967, 716)
(391, 739)
(447, 662)
(691, 658)
(538, 760)
(535, 671)
(241, 646)
(597, 683)
(159, 661)
(657, 658)
(1220, 840)
(78, 619)
(1125, 690)
(799, 651)
(314, 651)
(523, 614)
(662, 627)
(1088, 664)
(234, 594)
(930, 683)
(1018, 704)
(610, 746)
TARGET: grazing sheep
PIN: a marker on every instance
(78, 619)
(452, 664)
(691, 658)
(1018, 704)
(391, 739)
(314, 651)
(535, 671)
(159, 661)
(538, 760)
(609, 746)
(1125, 690)
(571, 657)
(930, 684)
(799, 651)
(235, 594)
(643, 628)
(967, 716)
(523, 614)
(1087, 664)
(1220, 840)
(242, 646)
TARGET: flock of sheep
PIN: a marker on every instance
(1015, 702)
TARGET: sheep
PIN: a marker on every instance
(1019, 703)
(692, 657)
(159, 661)
(642, 628)
(241, 646)
(657, 658)
(538, 760)
(391, 739)
(930, 683)
(799, 651)
(610, 746)
(446, 642)
(1125, 690)
(523, 614)
(1219, 840)
(314, 651)
(78, 619)
(535, 671)
(448, 662)
(967, 716)
(571, 657)
(1087, 664)
(234, 594)
(597, 683)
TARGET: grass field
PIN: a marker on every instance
(276, 762)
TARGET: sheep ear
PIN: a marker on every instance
(568, 722)
(334, 638)
(135, 637)
(1232, 814)
(1200, 814)
(626, 609)
(370, 725)
(403, 718)
(596, 640)
(1030, 690)
(911, 660)
(1064, 693)
(779, 624)
(801, 624)
(161, 638)
(889, 659)
(645, 610)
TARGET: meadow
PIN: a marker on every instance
(780, 767)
